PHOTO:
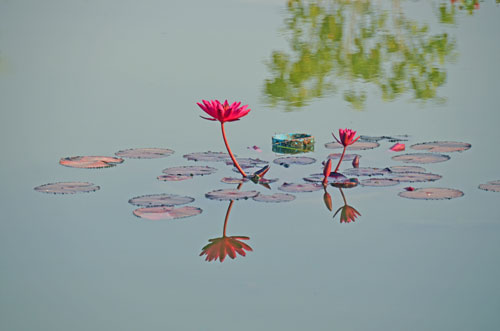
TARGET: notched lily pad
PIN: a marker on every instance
(166, 213)
(208, 156)
(413, 177)
(357, 146)
(405, 169)
(145, 153)
(67, 188)
(442, 146)
(247, 162)
(347, 157)
(233, 180)
(189, 171)
(276, 197)
(160, 200)
(366, 171)
(378, 182)
(90, 162)
(173, 178)
(432, 193)
(421, 158)
(289, 160)
(297, 188)
(230, 194)
(493, 186)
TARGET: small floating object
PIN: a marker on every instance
(397, 147)
(275, 198)
(404, 169)
(416, 177)
(67, 188)
(432, 193)
(409, 188)
(145, 153)
(90, 162)
(355, 162)
(299, 188)
(357, 146)
(421, 158)
(230, 194)
(293, 143)
(189, 171)
(207, 156)
(442, 146)
(378, 182)
(347, 157)
(160, 200)
(493, 186)
(255, 148)
(166, 213)
(173, 178)
(289, 160)
(366, 171)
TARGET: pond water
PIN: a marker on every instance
(92, 78)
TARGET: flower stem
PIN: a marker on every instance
(231, 153)
(343, 196)
(340, 161)
(227, 217)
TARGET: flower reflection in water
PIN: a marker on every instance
(348, 213)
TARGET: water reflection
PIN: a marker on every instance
(348, 213)
(341, 45)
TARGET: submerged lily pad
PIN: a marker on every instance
(230, 194)
(189, 171)
(247, 162)
(357, 146)
(442, 146)
(166, 213)
(276, 197)
(493, 186)
(173, 178)
(421, 158)
(90, 162)
(233, 180)
(160, 200)
(145, 153)
(297, 188)
(413, 177)
(378, 182)
(208, 156)
(67, 188)
(432, 193)
(366, 171)
(405, 169)
(289, 160)
(347, 157)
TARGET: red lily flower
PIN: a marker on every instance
(346, 137)
(348, 214)
(223, 112)
(219, 248)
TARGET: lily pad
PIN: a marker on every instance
(388, 138)
(208, 156)
(405, 169)
(421, 158)
(173, 178)
(230, 194)
(432, 193)
(276, 197)
(166, 213)
(357, 146)
(233, 180)
(297, 188)
(347, 183)
(160, 200)
(145, 153)
(347, 157)
(90, 162)
(318, 178)
(247, 162)
(413, 177)
(442, 146)
(289, 160)
(493, 186)
(67, 188)
(365, 171)
(189, 171)
(378, 182)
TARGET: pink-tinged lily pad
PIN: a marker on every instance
(289, 160)
(166, 213)
(189, 171)
(67, 188)
(442, 146)
(378, 182)
(432, 193)
(276, 197)
(421, 158)
(347, 157)
(493, 186)
(173, 178)
(145, 153)
(230, 194)
(357, 146)
(298, 188)
(90, 162)
(397, 147)
(413, 177)
(233, 180)
(208, 156)
(160, 200)
(247, 162)
(404, 169)
(396, 138)
(365, 171)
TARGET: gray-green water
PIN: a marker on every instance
(95, 77)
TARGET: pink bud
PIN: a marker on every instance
(355, 161)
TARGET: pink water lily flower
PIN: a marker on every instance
(346, 137)
(223, 112)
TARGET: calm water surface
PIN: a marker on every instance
(93, 78)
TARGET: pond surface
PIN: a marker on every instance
(93, 78)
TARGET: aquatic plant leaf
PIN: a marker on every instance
(189, 171)
(230, 194)
(396, 138)
(357, 146)
(276, 197)
(493, 186)
(174, 178)
(247, 162)
(318, 178)
(442, 146)
(348, 183)
(378, 182)
(157, 200)
(145, 153)
(90, 162)
(297, 188)
(208, 156)
(289, 160)
(421, 158)
(404, 169)
(366, 171)
(347, 157)
(432, 193)
(167, 213)
(67, 188)
(413, 177)
(233, 180)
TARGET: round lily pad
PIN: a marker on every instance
(207, 156)
(189, 171)
(404, 169)
(493, 186)
(357, 146)
(289, 160)
(378, 182)
(67, 188)
(442, 146)
(347, 157)
(421, 158)
(388, 138)
(347, 183)
(233, 180)
(432, 193)
(365, 171)
(157, 200)
(276, 197)
(314, 178)
(145, 153)
(174, 178)
(166, 213)
(230, 194)
(246, 162)
(334, 177)
(90, 162)
(413, 177)
(297, 188)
